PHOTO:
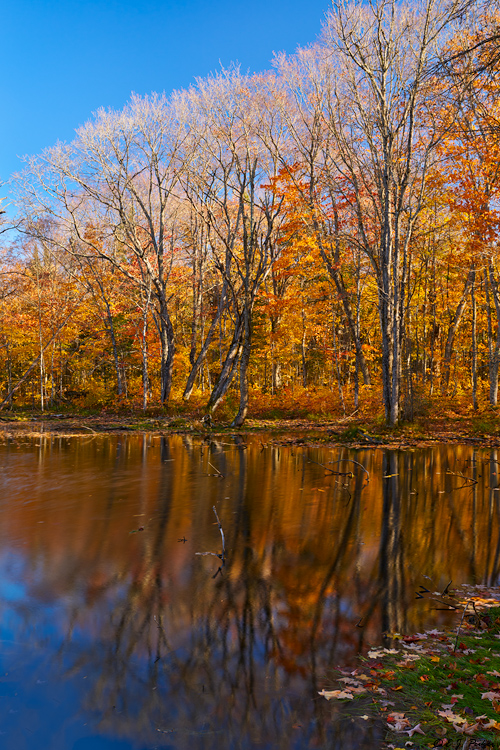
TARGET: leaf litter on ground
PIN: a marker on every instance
(434, 689)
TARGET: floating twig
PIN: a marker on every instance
(214, 554)
(218, 473)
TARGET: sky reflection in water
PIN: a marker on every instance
(114, 634)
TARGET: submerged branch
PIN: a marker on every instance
(222, 555)
(340, 461)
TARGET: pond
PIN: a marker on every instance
(117, 634)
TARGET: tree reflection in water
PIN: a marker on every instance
(318, 566)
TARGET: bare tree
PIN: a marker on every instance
(112, 192)
(241, 210)
(304, 82)
(382, 53)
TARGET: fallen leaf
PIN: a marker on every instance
(394, 716)
(349, 681)
(400, 726)
(451, 717)
(418, 729)
(491, 725)
(338, 694)
(382, 652)
(490, 696)
(465, 728)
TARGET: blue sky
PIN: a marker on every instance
(63, 59)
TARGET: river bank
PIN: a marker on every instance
(354, 431)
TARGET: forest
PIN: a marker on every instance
(324, 233)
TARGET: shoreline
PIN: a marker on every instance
(344, 432)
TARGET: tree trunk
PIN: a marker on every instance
(228, 369)
(167, 342)
(9, 377)
(474, 341)
(303, 351)
(198, 361)
(276, 370)
(244, 362)
(107, 319)
(110, 327)
(387, 344)
(448, 350)
(337, 279)
(144, 352)
(494, 352)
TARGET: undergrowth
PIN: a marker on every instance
(434, 689)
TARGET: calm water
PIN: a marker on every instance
(115, 634)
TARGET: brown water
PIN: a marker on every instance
(116, 635)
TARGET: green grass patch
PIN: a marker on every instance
(435, 689)
(485, 425)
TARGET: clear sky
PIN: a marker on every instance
(63, 59)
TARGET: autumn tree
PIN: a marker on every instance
(469, 174)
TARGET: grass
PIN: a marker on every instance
(437, 689)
